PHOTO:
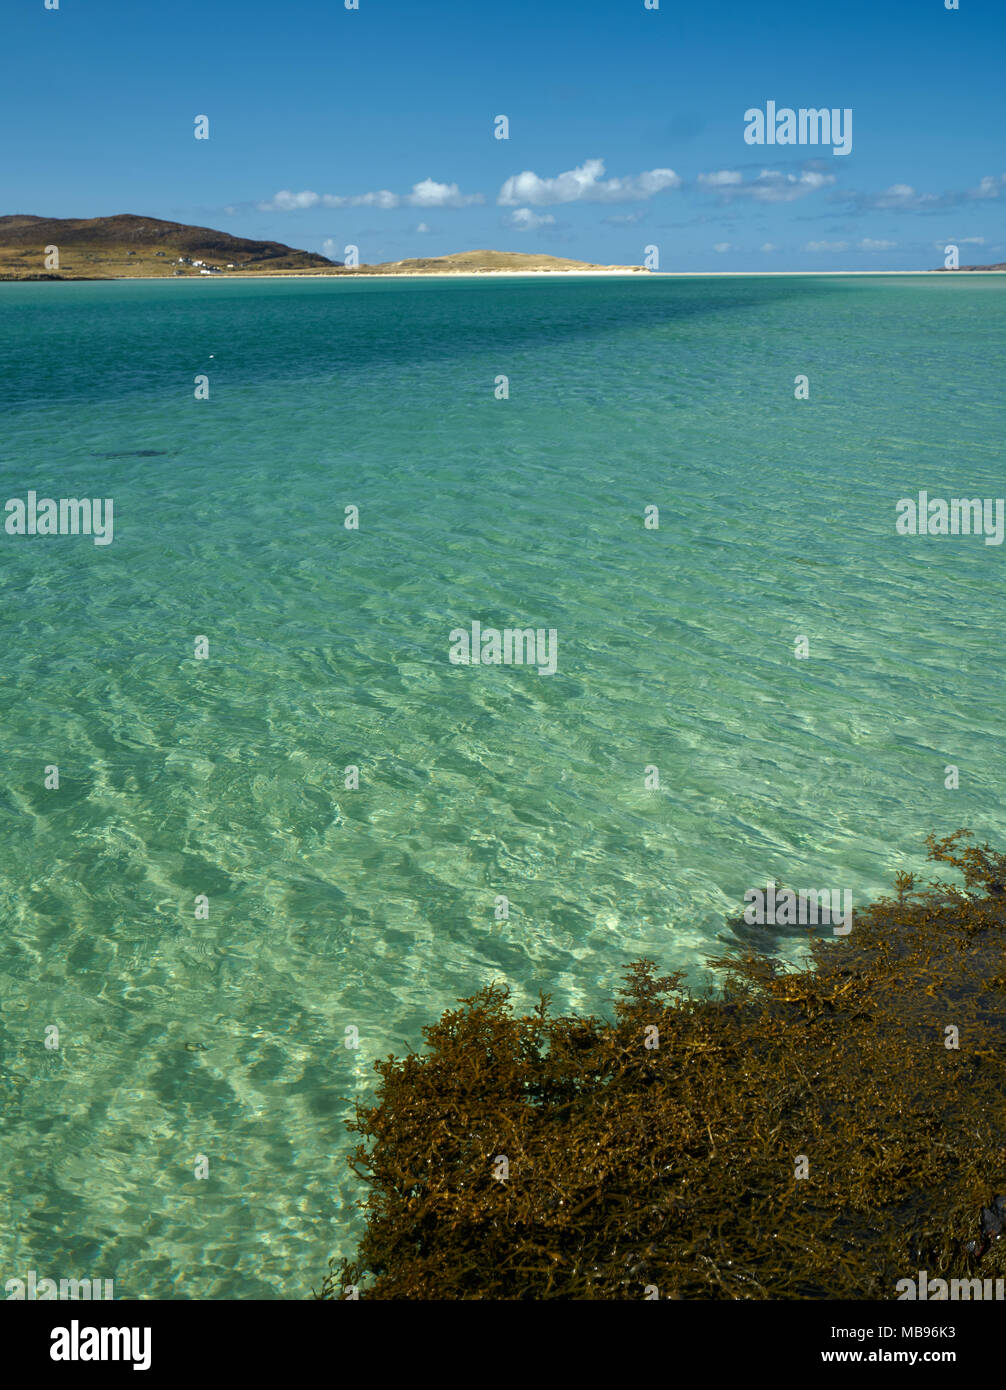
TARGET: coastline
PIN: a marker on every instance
(624, 274)
(629, 273)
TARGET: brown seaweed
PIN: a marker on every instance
(812, 1133)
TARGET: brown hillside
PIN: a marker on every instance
(1000, 266)
(104, 247)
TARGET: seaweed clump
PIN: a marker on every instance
(812, 1133)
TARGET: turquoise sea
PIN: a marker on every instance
(333, 908)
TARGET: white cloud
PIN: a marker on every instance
(827, 246)
(331, 249)
(723, 178)
(869, 244)
(722, 246)
(285, 201)
(969, 241)
(381, 199)
(585, 184)
(902, 197)
(624, 219)
(425, 194)
(771, 186)
(429, 194)
(422, 227)
(769, 246)
(526, 221)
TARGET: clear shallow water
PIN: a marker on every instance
(374, 908)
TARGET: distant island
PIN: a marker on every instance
(1000, 266)
(492, 263)
(131, 247)
(110, 248)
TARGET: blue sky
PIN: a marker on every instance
(626, 125)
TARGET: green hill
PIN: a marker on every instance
(1000, 266)
(125, 246)
(111, 247)
(482, 262)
